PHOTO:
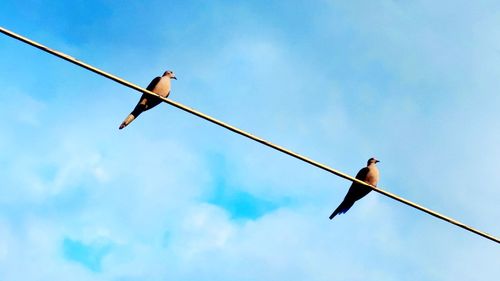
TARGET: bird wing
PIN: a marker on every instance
(361, 175)
(357, 191)
(153, 83)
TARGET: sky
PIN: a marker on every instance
(173, 197)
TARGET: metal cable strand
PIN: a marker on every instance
(246, 134)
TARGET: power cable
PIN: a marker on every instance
(246, 134)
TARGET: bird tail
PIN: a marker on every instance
(342, 208)
(127, 121)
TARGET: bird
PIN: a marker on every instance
(159, 85)
(368, 174)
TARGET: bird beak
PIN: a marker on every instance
(376, 161)
(173, 77)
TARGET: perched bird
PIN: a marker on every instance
(160, 86)
(368, 174)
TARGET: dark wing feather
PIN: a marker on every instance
(153, 83)
(358, 191)
(361, 175)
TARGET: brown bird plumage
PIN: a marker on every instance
(160, 86)
(368, 174)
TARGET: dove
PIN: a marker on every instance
(368, 174)
(160, 86)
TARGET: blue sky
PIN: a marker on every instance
(172, 197)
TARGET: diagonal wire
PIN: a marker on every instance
(246, 134)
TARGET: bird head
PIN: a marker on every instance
(170, 73)
(372, 161)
